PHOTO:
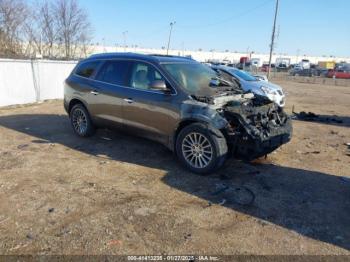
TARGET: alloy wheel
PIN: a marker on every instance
(197, 150)
(79, 120)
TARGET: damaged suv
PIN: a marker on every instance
(178, 102)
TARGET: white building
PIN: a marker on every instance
(203, 56)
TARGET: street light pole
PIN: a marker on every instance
(124, 37)
(298, 53)
(171, 29)
(272, 39)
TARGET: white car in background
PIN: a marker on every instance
(251, 83)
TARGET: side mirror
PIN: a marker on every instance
(159, 85)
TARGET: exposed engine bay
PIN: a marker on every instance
(256, 126)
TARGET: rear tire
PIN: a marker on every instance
(81, 121)
(201, 148)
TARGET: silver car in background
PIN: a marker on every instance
(253, 84)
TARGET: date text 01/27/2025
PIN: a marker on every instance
(173, 258)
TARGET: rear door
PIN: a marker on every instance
(110, 91)
(82, 82)
(149, 113)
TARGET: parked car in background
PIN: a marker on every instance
(282, 68)
(265, 67)
(297, 66)
(303, 72)
(343, 73)
(250, 83)
(282, 64)
(178, 102)
(244, 66)
(323, 72)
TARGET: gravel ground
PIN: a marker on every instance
(115, 194)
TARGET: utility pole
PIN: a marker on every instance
(298, 53)
(124, 37)
(272, 39)
(171, 29)
(104, 45)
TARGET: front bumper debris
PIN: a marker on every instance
(257, 131)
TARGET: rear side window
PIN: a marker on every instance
(87, 69)
(114, 72)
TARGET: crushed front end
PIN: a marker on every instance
(256, 127)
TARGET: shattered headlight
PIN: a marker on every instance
(268, 90)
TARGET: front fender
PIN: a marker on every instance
(192, 111)
(202, 112)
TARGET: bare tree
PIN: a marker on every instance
(13, 14)
(52, 28)
(74, 29)
(42, 29)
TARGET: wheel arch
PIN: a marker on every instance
(74, 102)
(186, 122)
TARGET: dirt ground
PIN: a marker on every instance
(115, 194)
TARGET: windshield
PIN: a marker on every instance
(242, 74)
(193, 77)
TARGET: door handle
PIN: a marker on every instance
(95, 93)
(129, 100)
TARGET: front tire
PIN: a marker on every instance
(201, 148)
(81, 121)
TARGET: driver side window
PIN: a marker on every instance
(143, 75)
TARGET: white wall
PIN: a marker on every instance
(26, 81)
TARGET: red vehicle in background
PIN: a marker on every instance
(341, 71)
(265, 67)
(244, 60)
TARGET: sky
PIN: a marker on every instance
(305, 27)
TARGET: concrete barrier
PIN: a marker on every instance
(29, 81)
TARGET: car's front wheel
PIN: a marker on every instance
(201, 149)
(81, 121)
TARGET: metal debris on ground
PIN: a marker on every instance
(106, 138)
(313, 152)
(221, 188)
(188, 236)
(22, 146)
(244, 196)
(29, 236)
(240, 195)
(310, 116)
(223, 202)
(348, 145)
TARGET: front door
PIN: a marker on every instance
(149, 113)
